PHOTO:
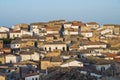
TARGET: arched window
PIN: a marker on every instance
(63, 48)
(45, 48)
(102, 69)
(56, 48)
(49, 48)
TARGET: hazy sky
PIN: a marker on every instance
(26, 11)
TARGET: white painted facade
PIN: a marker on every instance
(25, 57)
(15, 34)
(87, 34)
(67, 25)
(104, 67)
(33, 77)
(73, 64)
(52, 32)
(75, 27)
(26, 33)
(74, 33)
(12, 58)
(4, 29)
(95, 26)
(66, 57)
(34, 56)
(106, 31)
(34, 29)
(67, 32)
(51, 47)
(90, 54)
(93, 46)
(15, 45)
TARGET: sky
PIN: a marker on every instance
(27, 11)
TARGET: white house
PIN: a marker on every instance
(25, 57)
(14, 34)
(71, 31)
(89, 54)
(102, 67)
(75, 26)
(92, 25)
(73, 63)
(54, 46)
(4, 29)
(35, 56)
(15, 44)
(92, 45)
(23, 32)
(67, 25)
(19, 33)
(32, 76)
(30, 56)
(75, 32)
(53, 30)
(34, 29)
(106, 31)
(3, 35)
(87, 34)
(12, 58)
(72, 28)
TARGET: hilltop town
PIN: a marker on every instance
(60, 50)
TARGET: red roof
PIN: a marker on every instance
(117, 59)
(92, 23)
(111, 55)
(18, 31)
(76, 23)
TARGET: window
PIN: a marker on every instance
(13, 35)
(56, 48)
(32, 43)
(45, 49)
(17, 35)
(63, 48)
(102, 69)
(32, 78)
(36, 78)
(49, 48)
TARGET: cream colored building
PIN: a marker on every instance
(50, 62)
(1, 44)
(3, 35)
(48, 46)
(3, 76)
(28, 43)
(29, 56)
(15, 34)
(4, 29)
(12, 58)
(114, 27)
(92, 25)
(21, 26)
(2, 59)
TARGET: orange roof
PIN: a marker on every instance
(117, 59)
(17, 31)
(92, 23)
(76, 23)
(111, 55)
(5, 49)
(49, 35)
(52, 29)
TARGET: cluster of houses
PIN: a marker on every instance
(35, 48)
